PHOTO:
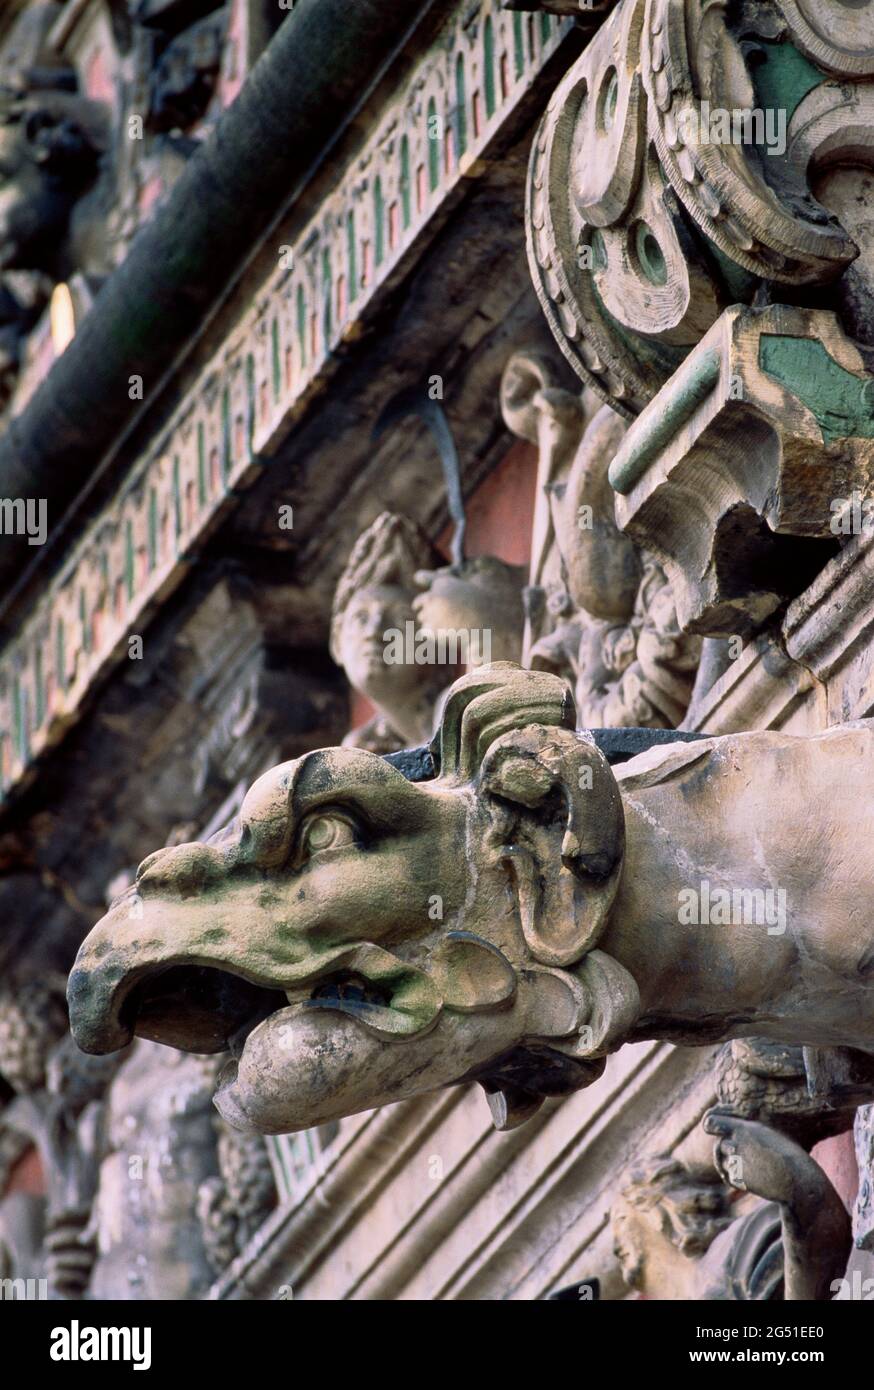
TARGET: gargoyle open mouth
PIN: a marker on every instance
(208, 1009)
(197, 1008)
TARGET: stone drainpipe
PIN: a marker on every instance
(302, 93)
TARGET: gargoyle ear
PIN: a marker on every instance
(557, 823)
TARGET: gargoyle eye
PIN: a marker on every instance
(325, 832)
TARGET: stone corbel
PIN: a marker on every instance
(693, 156)
(734, 475)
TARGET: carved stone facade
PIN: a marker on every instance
(454, 664)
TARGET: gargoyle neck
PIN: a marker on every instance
(700, 977)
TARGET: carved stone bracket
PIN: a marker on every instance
(762, 435)
(692, 156)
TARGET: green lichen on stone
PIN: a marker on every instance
(842, 402)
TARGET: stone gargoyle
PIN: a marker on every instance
(358, 935)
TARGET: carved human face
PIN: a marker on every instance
(374, 611)
(631, 1233)
(650, 1261)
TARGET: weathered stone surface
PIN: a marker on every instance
(600, 609)
(745, 459)
(496, 905)
(594, 936)
(863, 1215)
(646, 217)
(160, 1147)
(57, 1109)
(807, 1094)
(678, 1236)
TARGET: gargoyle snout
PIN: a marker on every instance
(164, 961)
(184, 870)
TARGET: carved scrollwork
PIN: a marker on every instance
(834, 34)
(683, 163)
(602, 98)
(694, 73)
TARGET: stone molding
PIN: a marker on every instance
(514, 1215)
(264, 376)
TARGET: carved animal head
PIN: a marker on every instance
(355, 937)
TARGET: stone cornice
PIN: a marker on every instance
(329, 279)
(427, 1201)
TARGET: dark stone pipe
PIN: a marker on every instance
(299, 95)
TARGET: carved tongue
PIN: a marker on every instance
(306, 1066)
(227, 1103)
(311, 1063)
